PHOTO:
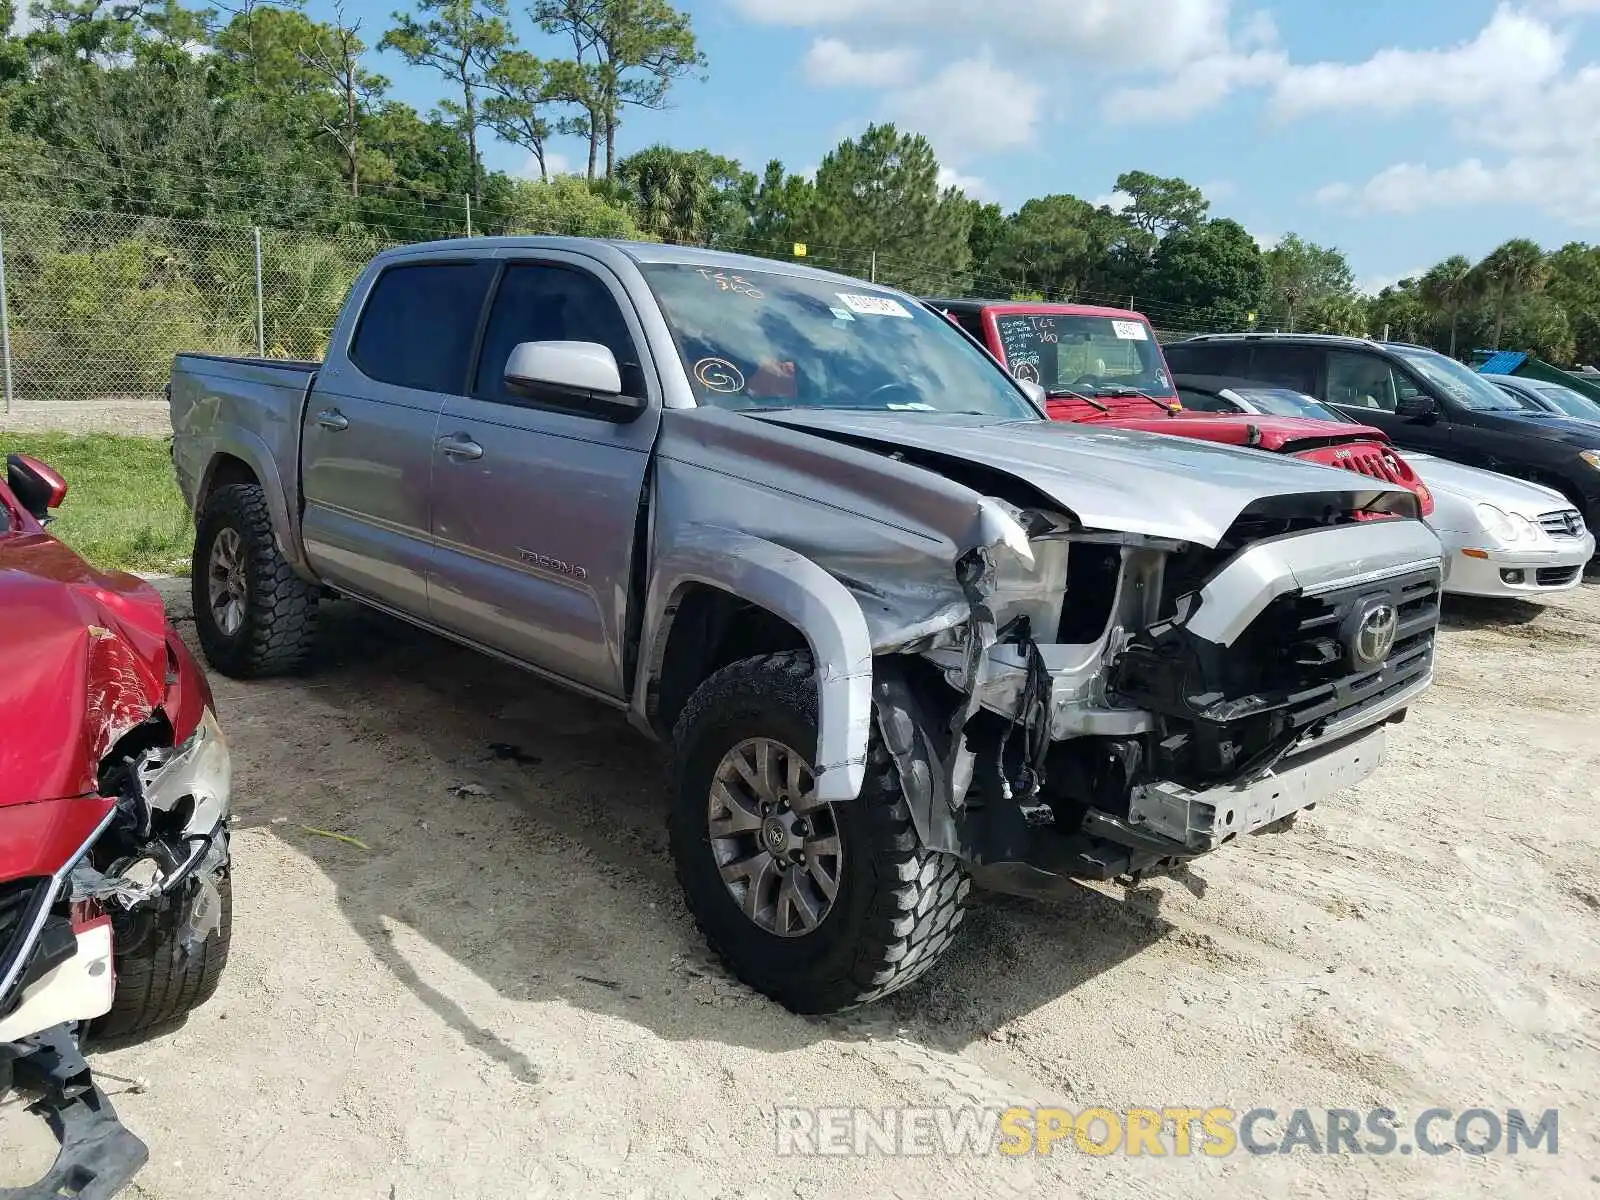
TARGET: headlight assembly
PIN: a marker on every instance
(1592, 457)
(193, 781)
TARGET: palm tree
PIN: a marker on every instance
(1510, 272)
(1448, 288)
(672, 193)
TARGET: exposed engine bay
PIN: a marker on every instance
(1125, 703)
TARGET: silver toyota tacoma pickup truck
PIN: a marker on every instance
(901, 632)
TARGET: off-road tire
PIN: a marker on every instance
(280, 617)
(898, 906)
(157, 983)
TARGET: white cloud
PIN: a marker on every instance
(1514, 52)
(956, 109)
(1371, 285)
(1124, 33)
(833, 63)
(1197, 86)
(1217, 189)
(1266, 240)
(1115, 201)
(555, 163)
(974, 186)
(1566, 188)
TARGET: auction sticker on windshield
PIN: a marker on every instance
(1130, 331)
(874, 306)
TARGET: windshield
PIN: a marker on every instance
(1093, 355)
(1283, 402)
(1462, 384)
(1574, 404)
(761, 340)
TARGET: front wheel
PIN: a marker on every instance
(820, 906)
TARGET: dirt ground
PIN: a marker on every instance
(502, 993)
(144, 418)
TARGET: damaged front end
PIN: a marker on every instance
(1116, 703)
(130, 874)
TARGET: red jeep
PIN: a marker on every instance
(1103, 366)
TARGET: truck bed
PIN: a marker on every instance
(246, 407)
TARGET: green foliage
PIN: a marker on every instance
(462, 40)
(1511, 272)
(1301, 276)
(567, 205)
(1214, 271)
(126, 308)
(881, 191)
(1059, 245)
(687, 196)
(123, 510)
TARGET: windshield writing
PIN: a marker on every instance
(1083, 354)
(761, 340)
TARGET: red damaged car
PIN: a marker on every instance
(115, 909)
(1104, 367)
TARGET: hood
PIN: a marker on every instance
(85, 661)
(1581, 435)
(1108, 477)
(1475, 484)
(1258, 430)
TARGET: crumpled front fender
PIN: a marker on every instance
(792, 587)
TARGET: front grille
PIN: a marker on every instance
(1328, 687)
(19, 904)
(1555, 576)
(1563, 523)
(1364, 460)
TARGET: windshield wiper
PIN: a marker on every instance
(1068, 393)
(1127, 390)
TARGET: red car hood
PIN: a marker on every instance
(83, 659)
(1278, 434)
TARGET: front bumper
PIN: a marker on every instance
(1519, 572)
(1199, 822)
(98, 1156)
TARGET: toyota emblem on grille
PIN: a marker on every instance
(1374, 635)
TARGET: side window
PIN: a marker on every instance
(417, 328)
(972, 323)
(545, 303)
(1286, 366)
(1206, 402)
(1362, 381)
(1206, 358)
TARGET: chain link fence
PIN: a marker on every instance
(95, 304)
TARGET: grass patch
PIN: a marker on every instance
(123, 509)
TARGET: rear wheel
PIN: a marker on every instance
(254, 616)
(820, 906)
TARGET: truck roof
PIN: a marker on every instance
(638, 252)
(970, 304)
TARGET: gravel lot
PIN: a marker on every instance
(502, 994)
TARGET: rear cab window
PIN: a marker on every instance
(419, 323)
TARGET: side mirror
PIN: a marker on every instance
(36, 485)
(1035, 393)
(1417, 408)
(580, 375)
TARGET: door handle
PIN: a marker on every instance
(459, 445)
(332, 418)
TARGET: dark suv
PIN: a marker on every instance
(1422, 399)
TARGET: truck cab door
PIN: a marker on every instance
(367, 456)
(536, 504)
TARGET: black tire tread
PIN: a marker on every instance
(280, 626)
(918, 902)
(157, 985)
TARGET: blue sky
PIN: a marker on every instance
(1400, 131)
